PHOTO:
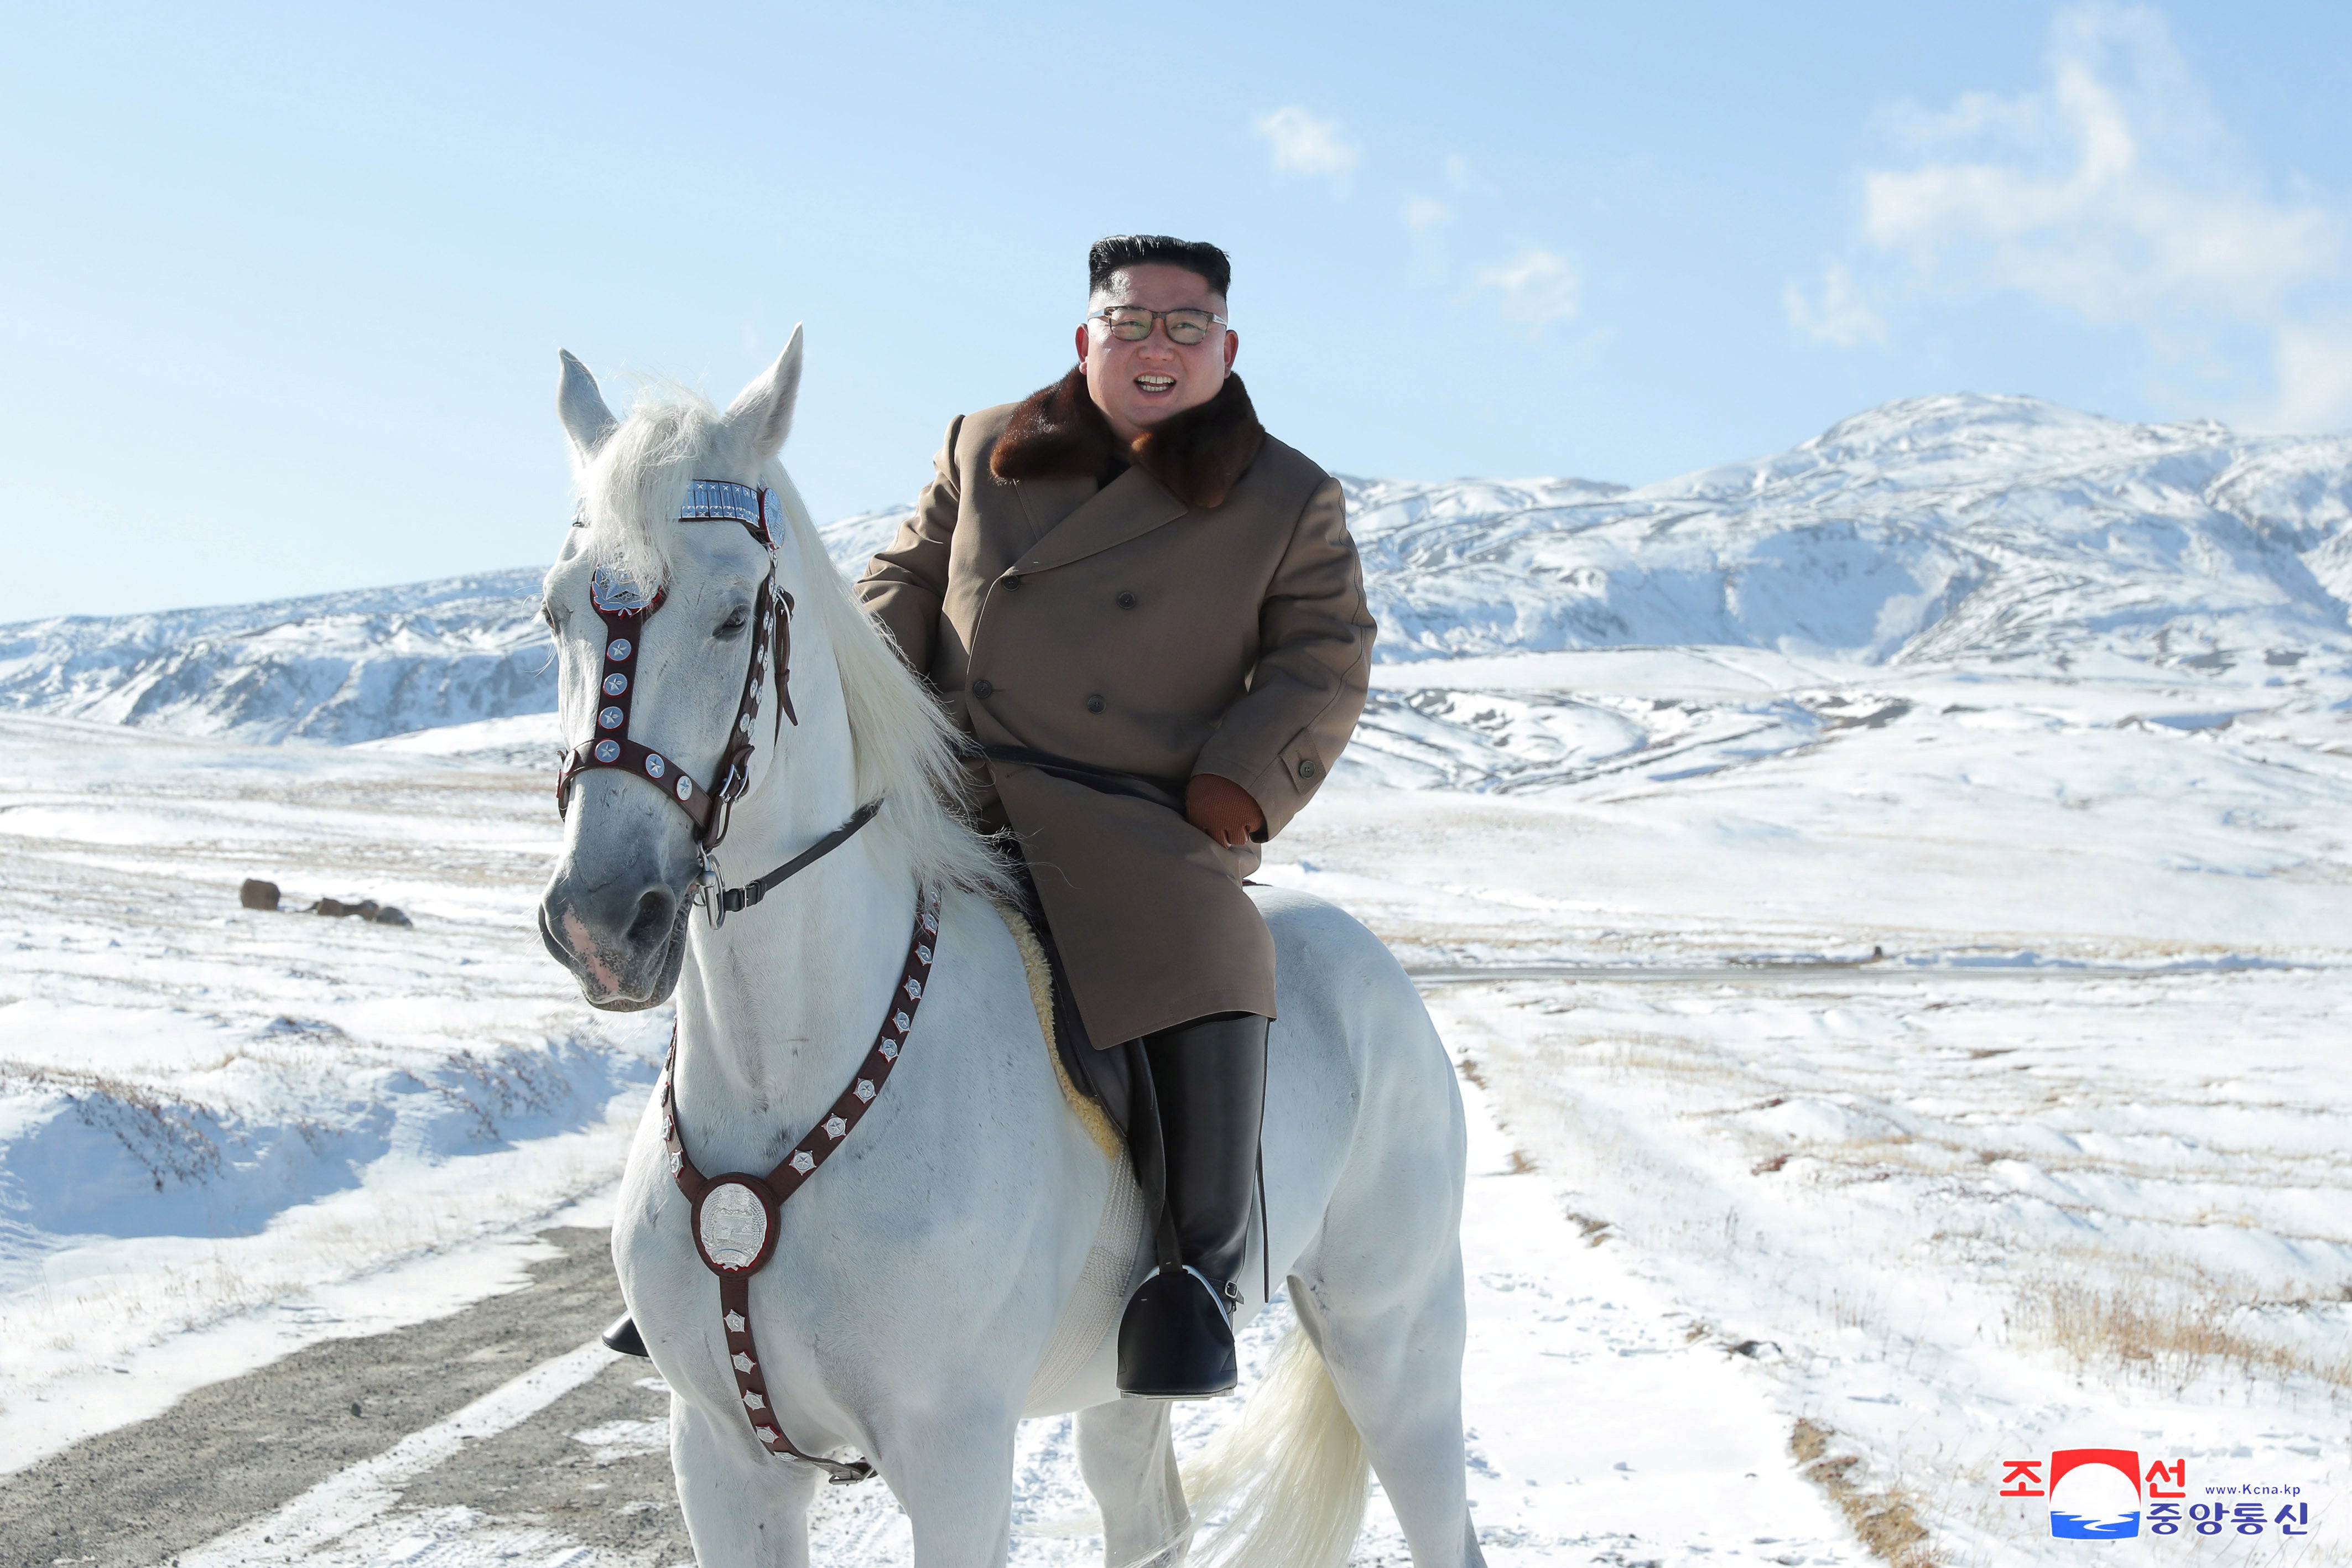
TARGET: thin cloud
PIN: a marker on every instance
(216, 374)
(2114, 193)
(1834, 313)
(1303, 144)
(1422, 213)
(1463, 180)
(1537, 287)
(2315, 375)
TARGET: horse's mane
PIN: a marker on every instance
(905, 749)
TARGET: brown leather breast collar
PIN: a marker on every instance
(735, 1216)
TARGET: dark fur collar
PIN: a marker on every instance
(1197, 454)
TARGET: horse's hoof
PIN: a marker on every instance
(1175, 1341)
(623, 1336)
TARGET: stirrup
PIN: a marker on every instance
(1176, 1339)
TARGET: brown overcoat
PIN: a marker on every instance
(1192, 605)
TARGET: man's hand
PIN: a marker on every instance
(1223, 810)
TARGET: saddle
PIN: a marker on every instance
(1104, 1080)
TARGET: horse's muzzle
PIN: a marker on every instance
(624, 940)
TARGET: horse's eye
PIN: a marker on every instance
(737, 621)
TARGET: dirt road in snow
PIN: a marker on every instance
(504, 1435)
(240, 1451)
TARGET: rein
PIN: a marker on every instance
(735, 1216)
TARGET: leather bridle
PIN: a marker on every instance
(734, 1217)
(622, 604)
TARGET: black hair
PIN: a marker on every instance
(1120, 251)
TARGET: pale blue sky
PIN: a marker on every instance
(281, 289)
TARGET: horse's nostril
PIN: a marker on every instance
(655, 913)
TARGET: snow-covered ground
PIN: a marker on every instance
(1920, 863)
(206, 1110)
(2063, 1166)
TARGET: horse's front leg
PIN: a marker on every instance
(743, 1509)
(1129, 1466)
(953, 1475)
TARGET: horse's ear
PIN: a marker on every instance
(581, 408)
(759, 421)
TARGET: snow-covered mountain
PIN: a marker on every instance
(1935, 528)
(1946, 529)
(336, 667)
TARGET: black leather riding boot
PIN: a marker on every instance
(1208, 1100)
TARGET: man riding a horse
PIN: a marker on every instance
(862, 1226)
(1147, 613)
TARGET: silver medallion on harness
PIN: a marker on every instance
(734, 1226)
(613, 588)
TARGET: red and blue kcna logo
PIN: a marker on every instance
(2095, 1493)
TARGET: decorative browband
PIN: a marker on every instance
(713, 499)
(719, 500)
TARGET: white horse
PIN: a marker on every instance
(927, 1275)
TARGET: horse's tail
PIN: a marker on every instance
(1290, 1473)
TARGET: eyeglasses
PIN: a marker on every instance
(1132, 323)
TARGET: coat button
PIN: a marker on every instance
(1094, 705)
(982, 688)
(1127, 601)
(1011, 583)
(1306, 768)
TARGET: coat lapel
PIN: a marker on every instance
(1127, 507)
(1043, 504)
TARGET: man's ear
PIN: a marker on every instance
(1232, 346)
(581, 408)
(1082, 345)
(759, 420)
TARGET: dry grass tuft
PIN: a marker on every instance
(1594, 1231)
(2168, 1339)
(170, 1135)
(1883, 1520)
